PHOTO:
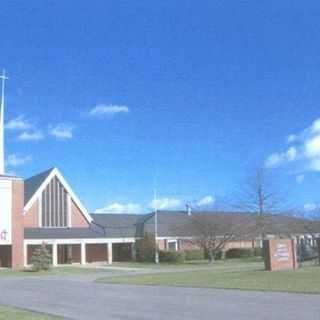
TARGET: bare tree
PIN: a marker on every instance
(259, 196)
(212, 231)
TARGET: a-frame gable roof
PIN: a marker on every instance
(36, 184)
(32, 184)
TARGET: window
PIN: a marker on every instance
(172, 245)
(54, 205)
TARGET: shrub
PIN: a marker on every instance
(195, 254)
(239, 253)
(258, 252)
(219, 255)
(41, 259)
(172, 256)
(145, 249)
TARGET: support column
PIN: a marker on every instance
(110, 252)
(25, 255)
(83, 253)
(54, 254)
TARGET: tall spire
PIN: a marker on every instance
(3, 78)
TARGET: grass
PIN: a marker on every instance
(7, 313)
(187, 264)
(63, 271)
(304, 280)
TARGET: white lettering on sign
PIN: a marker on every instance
(282, 252)
(5, 211)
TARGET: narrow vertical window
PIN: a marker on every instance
(54, 205)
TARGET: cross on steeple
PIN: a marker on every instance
(3, 79)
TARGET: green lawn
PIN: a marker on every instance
(65, 270)
(189, 264)
(18, 314)
(304, 280)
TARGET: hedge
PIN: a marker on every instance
(172, 256)
(239, 253)
(195, 254)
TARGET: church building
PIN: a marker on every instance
(44, 210)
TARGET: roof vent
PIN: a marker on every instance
(188, 209)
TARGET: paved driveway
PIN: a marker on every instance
(83, 299)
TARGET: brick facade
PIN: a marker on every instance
(77, 218)
(17, 224)
(97, 252)
(31, 217)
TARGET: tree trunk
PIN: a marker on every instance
(211, 256)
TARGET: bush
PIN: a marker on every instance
(195, 254)
(239, 253)
(41, 259)
(219, 255)
(258, 252)
(172, 256)
(145, 248)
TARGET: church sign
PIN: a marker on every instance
(280, 254)
(5, 211)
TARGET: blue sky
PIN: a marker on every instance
(197, 94)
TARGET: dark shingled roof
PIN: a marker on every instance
(119, 225)
(179, 224)
(32, 184)
(93, 231)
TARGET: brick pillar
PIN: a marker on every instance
(17, 224)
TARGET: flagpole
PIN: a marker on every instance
(2, 167)
(156, 253)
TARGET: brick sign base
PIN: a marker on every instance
(280, 254)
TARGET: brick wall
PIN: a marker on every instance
(31, 217)
(77, 218)
(97, 252)
(188, 245)
(17, 223)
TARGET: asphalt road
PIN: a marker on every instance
(78, 299)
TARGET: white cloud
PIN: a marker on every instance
(120, 208)
(312, 147)
(274, 160)
(31, 136)
(316, 126)
(110, 109)
(292, 138)
(300, 178)
(19, 123)
(15, 160)
(310, 206)
(206, 201)
(165, 203)
(62, 131)
(305, 149)
(291, 154)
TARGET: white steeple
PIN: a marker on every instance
(2, 168)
